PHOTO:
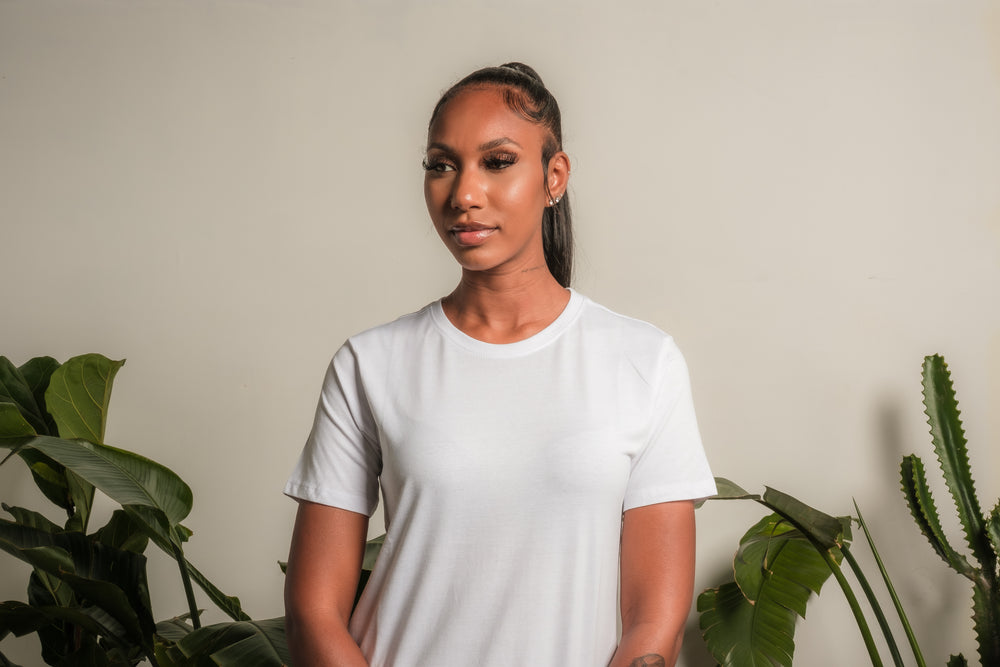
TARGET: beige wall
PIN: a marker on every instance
(804, 194)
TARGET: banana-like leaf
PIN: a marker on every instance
(126, 477)
(948, 437)
(49, 476)
(78, 396)
(728, 490)
(81, 493)
(827, 530)
(122, 532)
(240, 644)
(21, 619)
(169, 542)
(174, 629)
(752, 622)
(14, 388)
(109, 578)
(31, 518)
(726, 620)
(922, 508)
(45, 590)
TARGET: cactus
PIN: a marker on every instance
(982, 532)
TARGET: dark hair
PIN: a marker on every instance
(526, 95)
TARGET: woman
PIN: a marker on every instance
(529, 444)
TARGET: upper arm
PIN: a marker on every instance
(324, 561)
(657, 564)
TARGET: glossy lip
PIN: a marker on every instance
(471, 233)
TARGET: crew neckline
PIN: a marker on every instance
(517, 348)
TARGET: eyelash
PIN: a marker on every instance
(493, 162)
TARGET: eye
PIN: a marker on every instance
(437, 165)
(498, 161)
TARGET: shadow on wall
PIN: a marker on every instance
(935, 598)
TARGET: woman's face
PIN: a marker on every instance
(485, 184)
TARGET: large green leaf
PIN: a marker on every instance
(36, 547)
(36, 373)
(240, 644)
(14, 388)
(21, 619)
(12, 422)
(128, 478)
(170, 540)
(727, 619)
(829, 531)
(112, 579)
(728, 490)
(174, 629)
(921, 503)
(122, 532)
(78, 396)
(31, 518)
(948, 437)
(752, 622)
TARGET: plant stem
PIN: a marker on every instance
(188, 589)
(845, 586)
(852, 600)
(873, 601)
(892, 592)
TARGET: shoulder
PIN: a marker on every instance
(392, 333)
(646, 347)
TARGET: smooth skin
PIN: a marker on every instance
(486, 188)
(324, 565)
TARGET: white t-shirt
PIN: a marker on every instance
(504, 470)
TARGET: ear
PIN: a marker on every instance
(557, 178)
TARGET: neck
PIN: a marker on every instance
(505, 308)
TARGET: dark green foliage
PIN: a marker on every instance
(88, 598)
(752, 621)
(982, 533)
(741, 629)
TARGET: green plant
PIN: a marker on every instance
(751, 621)
(982, 533)
(88, 595)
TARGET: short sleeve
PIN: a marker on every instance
(672, 464)
(341, 461)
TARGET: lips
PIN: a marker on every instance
(471, 234)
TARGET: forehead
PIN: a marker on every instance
(476, 116)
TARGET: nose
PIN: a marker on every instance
(467, 191)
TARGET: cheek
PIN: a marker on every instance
(435, 194)
(524, 193)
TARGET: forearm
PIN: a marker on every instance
(648, 645)
(317, 641)
(322, 576)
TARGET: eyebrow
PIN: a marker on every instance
(489, 145)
